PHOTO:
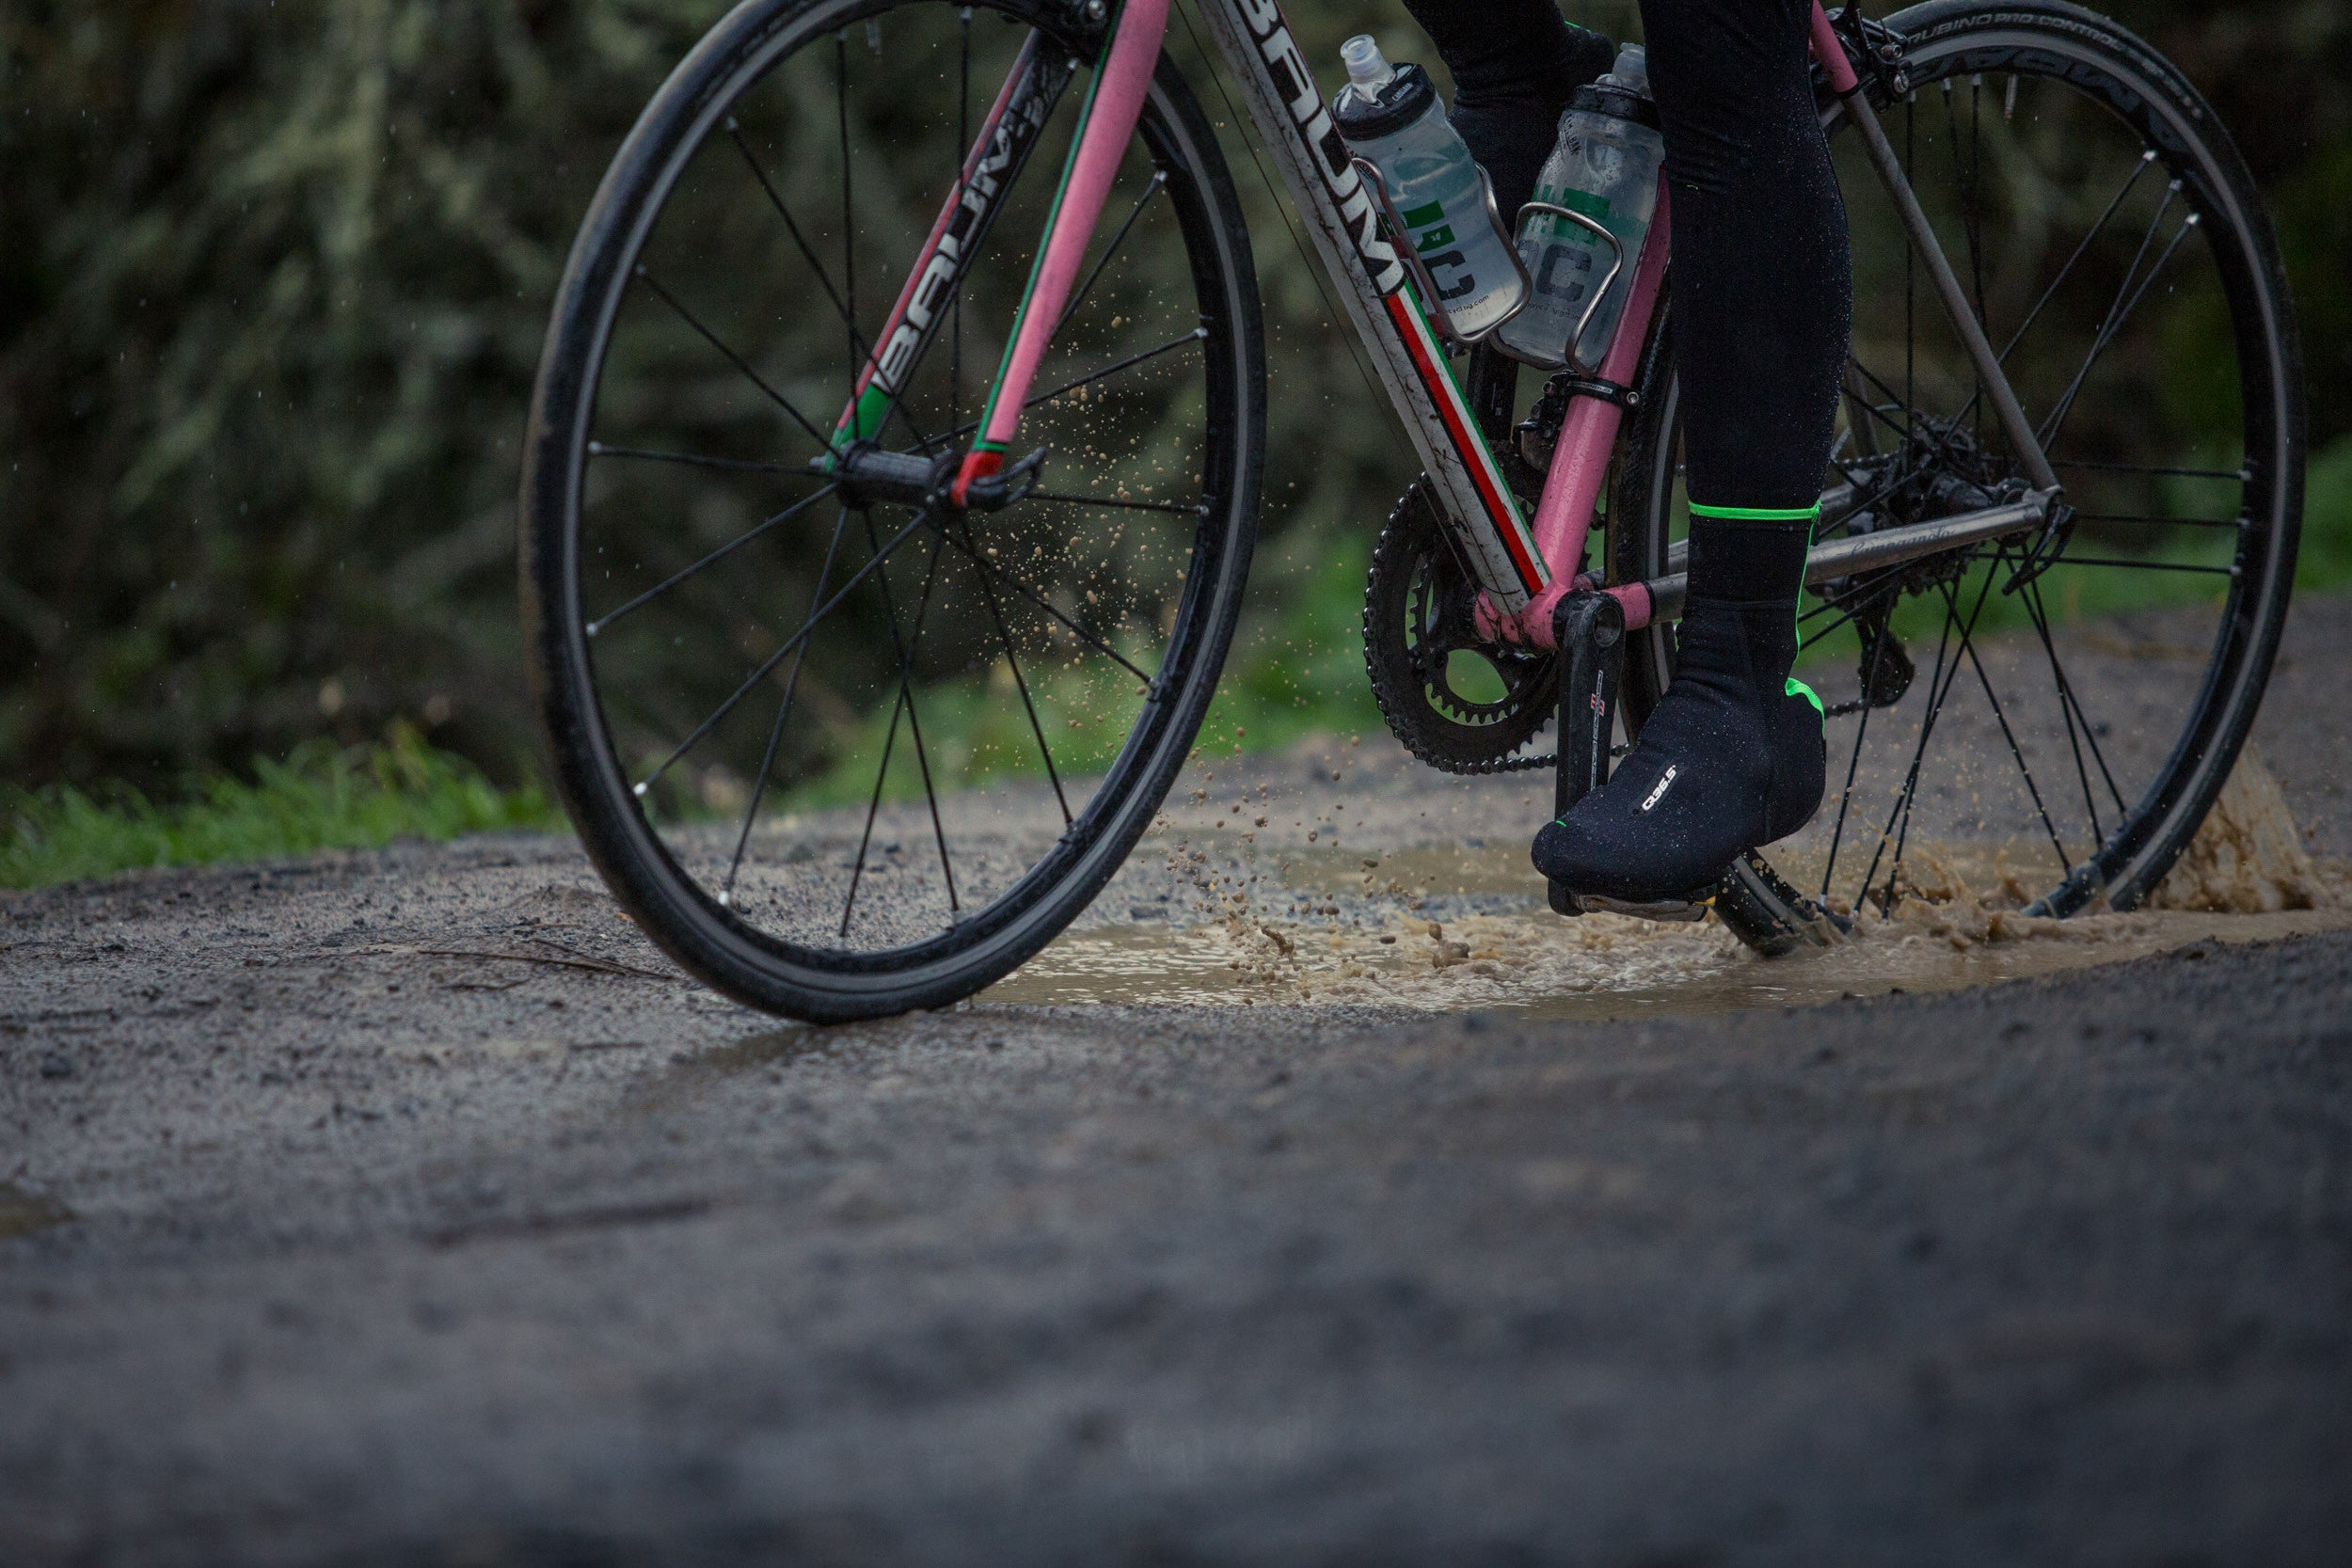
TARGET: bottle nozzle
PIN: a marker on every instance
(1368, 69)
(1632, 72)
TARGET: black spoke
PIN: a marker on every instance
(736, 465)
(963, 154)
(1975, 209)
(861, 356)
(2233, 524)
(775, 200)
(849, 218)
(1860, 411)
(2034, 609)
(784, 709)
(904, 703)
(2241, 476)
(2143, 565)
(857, 872)
(2127, 300)
(732, 357)
(2066, 690)
(1282, 209)
(1911, 271)
(597, 628)
(777, 657)
(1969, 647)
(1951, 678)
(1847, 613)
(1900, 427)
(1854, 763)
(1159, 178)
(1967, 183)
(1196, 335)
(2080, 252)
(1939, 687)
(906, 649)
(980, 559)
(996, 615)
(1196, 510)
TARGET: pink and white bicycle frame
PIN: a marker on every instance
(1523, 565)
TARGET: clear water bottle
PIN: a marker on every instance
(1604, 166)
(1390, 117)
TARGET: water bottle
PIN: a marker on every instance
(1390, 117)
(1605, 165)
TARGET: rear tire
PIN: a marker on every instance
(2146, 434)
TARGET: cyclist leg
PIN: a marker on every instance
(1762, 298)
(1515, 62)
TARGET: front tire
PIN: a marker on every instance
(650, 593)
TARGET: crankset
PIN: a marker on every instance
(1459, 702)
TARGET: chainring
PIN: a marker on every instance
(1418, 605)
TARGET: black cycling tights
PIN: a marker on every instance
(1762, 281)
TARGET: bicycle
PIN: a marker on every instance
(2084, 407)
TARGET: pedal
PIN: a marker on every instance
(1672, 912)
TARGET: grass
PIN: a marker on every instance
(2326, 561)
(321, 797)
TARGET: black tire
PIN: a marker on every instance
(1951, 49)
(640, 854)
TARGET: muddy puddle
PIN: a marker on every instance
(1601, 967)
(1464, 925)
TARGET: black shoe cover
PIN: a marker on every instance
(1731, 759)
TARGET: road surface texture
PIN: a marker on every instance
(406, 1209)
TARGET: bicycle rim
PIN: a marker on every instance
(843, 755)
(2041, 723)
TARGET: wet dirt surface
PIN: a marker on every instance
(407, 1207)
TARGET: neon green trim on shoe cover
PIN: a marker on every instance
(1797, 687)
(1757, 514)
(1769, 514)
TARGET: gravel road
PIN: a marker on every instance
(405, 1208)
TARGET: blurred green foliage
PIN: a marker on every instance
(321, 797)
(272, 289)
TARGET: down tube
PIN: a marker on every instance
(1289, 112)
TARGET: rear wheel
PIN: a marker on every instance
(841, 751)
(2048, 715)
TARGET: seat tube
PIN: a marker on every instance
(1588, 437)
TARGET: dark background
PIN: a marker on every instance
(272, 279)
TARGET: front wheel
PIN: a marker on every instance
(843, 752)
(2045, 717)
